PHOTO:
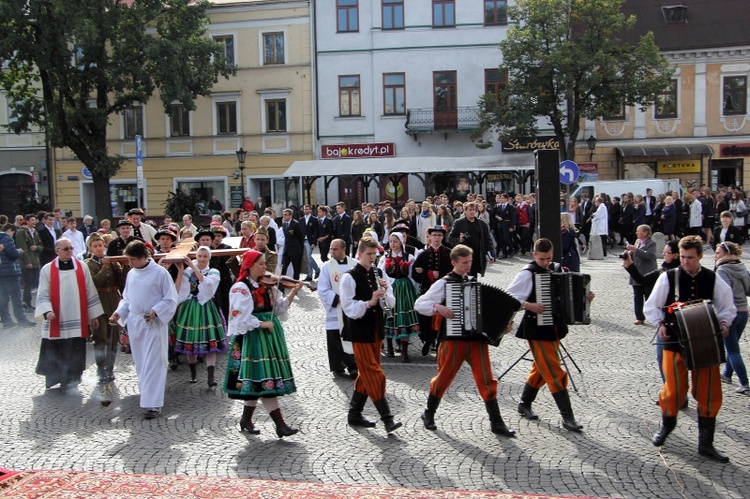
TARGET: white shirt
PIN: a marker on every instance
(354, 309)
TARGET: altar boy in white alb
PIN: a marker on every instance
(148, 304)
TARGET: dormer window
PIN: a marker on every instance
(675, 14)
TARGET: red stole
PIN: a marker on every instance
(54, 294)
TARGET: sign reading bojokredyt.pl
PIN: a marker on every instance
(372, 150)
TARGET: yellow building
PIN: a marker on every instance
(699, 129)
(265, 109)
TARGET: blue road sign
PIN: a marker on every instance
(138, 150)
(569, 172)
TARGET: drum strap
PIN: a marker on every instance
(672, 279)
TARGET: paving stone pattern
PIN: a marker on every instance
(197, 433)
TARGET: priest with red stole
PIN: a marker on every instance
(68, 301)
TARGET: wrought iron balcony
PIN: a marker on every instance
(430, 120)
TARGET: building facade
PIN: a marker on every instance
(699, 129)
(266, 109)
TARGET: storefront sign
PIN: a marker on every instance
(680, 166)
(730, 150)
(396, 194)
(235, 196)
(589, 172)
(526, 144)
(343, 151)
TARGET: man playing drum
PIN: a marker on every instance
(693, 282)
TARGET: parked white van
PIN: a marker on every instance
(636, 186)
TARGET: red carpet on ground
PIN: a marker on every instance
(43, 484)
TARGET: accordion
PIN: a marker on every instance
(564, 297)
(481, 311)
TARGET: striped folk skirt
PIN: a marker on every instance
(199, 329)
(405, 321)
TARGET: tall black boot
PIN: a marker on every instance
(109, 366)
(389, 347)
(193, 373)
(496, 420)
(527, 397)
(428, 416)
(668, 423)
(282, 429)
(246, 421)
(706, 429)
(356, 406)
(562, 399)
(385, 414)
(211, 381)
(405, 351)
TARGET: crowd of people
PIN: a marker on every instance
(382, 282)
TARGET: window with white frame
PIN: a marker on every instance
(227, 42)
(734, 95)
(133, 122)
(275, 115)
(273, 48)
(179, 121)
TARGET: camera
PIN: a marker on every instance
(466, 235)
(624, 255)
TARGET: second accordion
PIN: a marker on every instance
(481, 311)
(564, 296)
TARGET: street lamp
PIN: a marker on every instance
(241, 153)
(591, 141)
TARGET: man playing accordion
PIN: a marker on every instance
(453, 352)
(693, 282)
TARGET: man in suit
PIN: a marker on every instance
(48, 236)
(342, 224)
(505, 214)
(310, 228)
(587, 209)
(294, 245)
(650, 202)
(475, 234)
(325, 231)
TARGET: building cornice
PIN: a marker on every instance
(708, 55)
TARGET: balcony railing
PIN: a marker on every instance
(429, 120)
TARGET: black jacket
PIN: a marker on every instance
(310, 229)
(294, 243)
(342, 225)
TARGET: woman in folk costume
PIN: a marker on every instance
(404, 322)
(199, 327)
(258, 366)
(68, 301)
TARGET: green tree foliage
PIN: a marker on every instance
(73, 64)
(181, 203)
(566, 60)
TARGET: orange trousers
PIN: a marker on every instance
(546, 366)
(706, 386)
(371, 378)
(451, 355)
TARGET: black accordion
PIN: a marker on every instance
(481, 311)
(563, 295)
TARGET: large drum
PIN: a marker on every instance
(699, 334)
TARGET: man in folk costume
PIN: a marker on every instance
(432, 264)
(109, 279)
(452, 353)
(362, 293)
(117, 246)
(689, 282)
(148, 303)
(69, 303)
(261, 246)
(328, 289)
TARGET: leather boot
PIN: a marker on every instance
(496, 420)
(282, 429)
(668, 423)
(706, 429)
(428, 416)
(527, 397)
(389, 348)
(211, 381)
(246, 421)
(193, 373)
(385, 414)
(110, 363)
(355, 411)
(562, 399)
(405, 351)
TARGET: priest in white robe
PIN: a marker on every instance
(148, 303)
(68, 301)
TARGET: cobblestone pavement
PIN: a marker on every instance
(198, 431)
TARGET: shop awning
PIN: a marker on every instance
(666, 150)
(428, 164)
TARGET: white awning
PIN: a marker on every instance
(428, 164)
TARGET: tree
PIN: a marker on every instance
(72, 64)
(565, 60)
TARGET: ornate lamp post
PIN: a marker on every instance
(241, 153)
(591, 141)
